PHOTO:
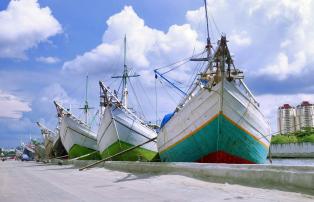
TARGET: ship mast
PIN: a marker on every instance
(209, 59)
(208, 44)
(125, 76)
(86, 107)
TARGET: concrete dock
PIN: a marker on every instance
(30, 181)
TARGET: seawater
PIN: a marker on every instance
(293, 162)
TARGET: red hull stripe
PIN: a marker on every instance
(223, 157)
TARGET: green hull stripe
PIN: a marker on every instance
(77, 151)
(138, 154)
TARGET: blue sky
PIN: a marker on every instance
(47, 47)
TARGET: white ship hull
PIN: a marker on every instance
(214, 128)
(73, 133)
(117, 127)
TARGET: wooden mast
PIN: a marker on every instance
(125, 76)
(208, 45)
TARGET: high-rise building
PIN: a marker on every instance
(286, 119)
(304, 115)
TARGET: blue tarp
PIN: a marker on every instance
(166, 118)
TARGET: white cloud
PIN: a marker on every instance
(240, 39)
(99, 58)
(148, 48)
(280, 33)
(277, 35)
(45, 109)
(12, 106)
(269, 38)
(24, 24)
(56, 92)
(296, 50)
(48, 60)
(21, 125)
(282, 67)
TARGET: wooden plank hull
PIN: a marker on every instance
(76, 138)
(118, 132)
(217, 125)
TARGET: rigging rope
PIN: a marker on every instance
(145, 93)
(184, 59)
(217, 29)
(176, 67)
(165, 89)
(199, 69)
(156, 102)
(137, 99)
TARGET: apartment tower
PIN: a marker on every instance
(286, 119)
(304, 115)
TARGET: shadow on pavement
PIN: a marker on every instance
(131, 177)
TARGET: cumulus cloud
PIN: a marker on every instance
(270, 39)
(282, 67)
(295, 48)
(148, 48)
(240, 39)
(279, 34)
(12, 106)
(56, 92)
(48, 60)
(273, 37)
(45, 107)
(24, 24)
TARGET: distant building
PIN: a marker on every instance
(304, 115)
(286, 119)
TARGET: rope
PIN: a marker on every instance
(196, 75)
(176, 67)
(137, 99)
(217, 29)
(184, 59)
(156, 101)
(167, 93)
(145, 93)
(120, 86)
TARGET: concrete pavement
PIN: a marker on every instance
(29, 181)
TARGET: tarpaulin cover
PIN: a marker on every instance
(166, 118)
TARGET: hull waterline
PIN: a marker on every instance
(119, 132)
(78, 139)
(218, 129)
